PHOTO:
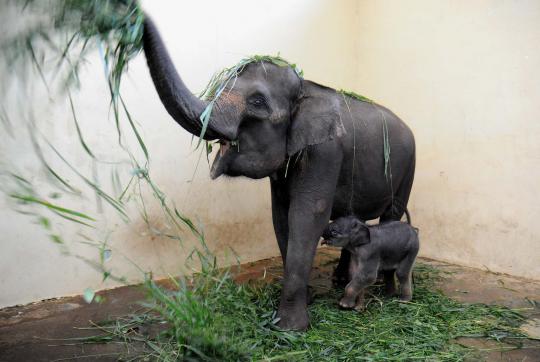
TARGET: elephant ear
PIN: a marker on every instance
(316, 119)
(360, 232)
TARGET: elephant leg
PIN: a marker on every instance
(404, 276)
(353, 296)
(389, 283)
(280, 214)
(312, 188)
(293, 303)
(394, 212)
(280, 219)
(341, 276)
(401, 197)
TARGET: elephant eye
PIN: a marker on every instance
(257, 101)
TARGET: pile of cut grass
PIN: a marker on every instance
(217, 319)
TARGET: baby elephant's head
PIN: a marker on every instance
(346, 231)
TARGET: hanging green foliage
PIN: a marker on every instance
(53, 39)
(385, 133)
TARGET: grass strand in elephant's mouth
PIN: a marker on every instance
(224, 146)
(217, 319)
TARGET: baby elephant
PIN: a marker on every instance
(390, 247)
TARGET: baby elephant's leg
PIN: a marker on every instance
(404, 274)
(389, 283)
(354, 291)
(359, 305)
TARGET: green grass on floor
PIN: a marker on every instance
(216, 319)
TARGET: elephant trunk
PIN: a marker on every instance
(181, 104)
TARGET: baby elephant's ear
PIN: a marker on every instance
(361, 231)
(316, 118)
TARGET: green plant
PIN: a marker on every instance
(53, 42)
(355, 96)
(210, 317)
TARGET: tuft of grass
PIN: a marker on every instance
(354, 95)
(226, 77)
(221, 79)
(212, 318)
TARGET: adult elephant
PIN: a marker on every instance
(327, 154)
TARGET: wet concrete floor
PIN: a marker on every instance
(52, 330)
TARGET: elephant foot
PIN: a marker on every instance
(405, 298)
(347, 303)
(293, 319)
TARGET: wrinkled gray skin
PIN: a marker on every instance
(322, 151)
(390, 248)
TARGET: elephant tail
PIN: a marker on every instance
(408, 216)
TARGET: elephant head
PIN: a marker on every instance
(347, 231)
(265, 115)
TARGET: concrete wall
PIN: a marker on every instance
(464, 75)
(203, 37)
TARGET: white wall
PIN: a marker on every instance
(464, 75)
(203, 37)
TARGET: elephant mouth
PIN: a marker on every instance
(219, 166)
(328, 242)
(331, 242)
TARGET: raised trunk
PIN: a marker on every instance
(181, 104)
